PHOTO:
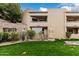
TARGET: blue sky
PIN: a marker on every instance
(44, 6)
(36, 6)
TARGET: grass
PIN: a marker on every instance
(40, 48)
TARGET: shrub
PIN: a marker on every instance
(5, 36)
(14, 36)
(1, 36)
(68, 34)
(9, 36)
(31, 33)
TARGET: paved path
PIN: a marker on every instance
(9, 43)
(72, 42)
(14, 42)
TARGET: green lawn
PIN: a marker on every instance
(40, 48)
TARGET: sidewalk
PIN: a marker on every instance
(9, 43)
(72, 42)
(14, 42)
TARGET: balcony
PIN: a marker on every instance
(72, 24)
(38, 24)
(38, 21)
(72, 21)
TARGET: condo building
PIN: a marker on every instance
(54, 23)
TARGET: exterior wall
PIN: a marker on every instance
(26, 18)
(5, 24)
(74, 36)
(56, 23)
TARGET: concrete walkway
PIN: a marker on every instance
(9, 43)
(14, 42)
(72, 42)
(42, 40)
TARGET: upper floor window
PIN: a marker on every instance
(39, 18)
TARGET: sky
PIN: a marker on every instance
(37, 6)
(45, 6)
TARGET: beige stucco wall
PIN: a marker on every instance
(74, 36)
(5, 24)
(26, 18)
(56, 23)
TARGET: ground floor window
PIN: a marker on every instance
(9, 29)
(73, 30)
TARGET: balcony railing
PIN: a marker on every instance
(38, 23)
(72, 24)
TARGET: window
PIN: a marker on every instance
(39, 18)
(73, 30)
(9, 29)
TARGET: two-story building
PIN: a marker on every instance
(54, 22)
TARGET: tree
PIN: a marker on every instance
(10, 12)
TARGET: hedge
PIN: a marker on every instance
(9, 36)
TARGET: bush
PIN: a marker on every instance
(30, 34)
(9, 36)
(1, 36)
(5, 36)
(14, 36)
(68, 34)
